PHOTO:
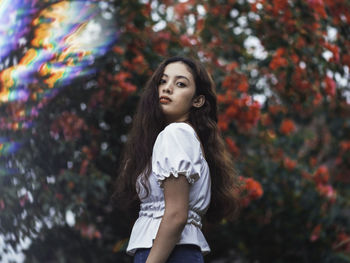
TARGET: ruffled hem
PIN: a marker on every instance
(191, 178)
(145, 230)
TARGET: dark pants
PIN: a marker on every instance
(180, 254)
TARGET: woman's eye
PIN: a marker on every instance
(162, 81)
(181, 84)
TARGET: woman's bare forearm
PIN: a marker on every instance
(176, 195)
(168, 235)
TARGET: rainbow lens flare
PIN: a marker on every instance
(45, 45)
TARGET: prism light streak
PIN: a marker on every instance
(15, 19)
(61, 42)
(54, 44)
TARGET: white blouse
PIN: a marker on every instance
(176, 150)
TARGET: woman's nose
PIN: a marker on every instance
(168, 87)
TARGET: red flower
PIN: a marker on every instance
(279, 6)
(243, 86)
(312, 161)
(215, 10)
(231, 66)
(287, 126)
(200, 25)
(277, 60)
(334, 49)
(294, 58)
(70, 124)
(345, 146)
(232, 146)
(253, 188)
(317, 99)
(146, 10)
(221, 98)
(300, 42)
(265, 119)
(229, 81)
(88, 152)
(222, 123)
(318, 7)
(289, 163)
(330, 86)
(161, 47)
(327, 191)
(118, 50)
(315, 233)
(122, 76)
(139, 59)
(346, 59)
(128, 87)
(181, 9)
(71, 185)
(88, 231)
(275, 109)
(306, 175)
(185, 41)
(321, 176)
(271, 134)
(232, 111)
(83, 167)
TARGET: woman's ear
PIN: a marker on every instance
(198, 101)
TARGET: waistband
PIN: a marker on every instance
(156, 210)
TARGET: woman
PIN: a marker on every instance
(176, 164)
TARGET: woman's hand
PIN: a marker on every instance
(176, 196)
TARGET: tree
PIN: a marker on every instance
(291, 146)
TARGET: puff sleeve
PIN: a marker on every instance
(177, 150)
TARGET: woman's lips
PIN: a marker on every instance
(164, 100)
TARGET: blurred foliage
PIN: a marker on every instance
(293, 149)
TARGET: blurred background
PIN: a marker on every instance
(71, 73)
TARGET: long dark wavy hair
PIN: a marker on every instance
(149, 121)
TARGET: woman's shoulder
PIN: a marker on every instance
(177, 133)
(179, 128)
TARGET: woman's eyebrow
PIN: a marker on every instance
(178, 77)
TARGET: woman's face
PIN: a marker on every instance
(176, 91)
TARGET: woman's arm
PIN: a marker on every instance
(176, 196)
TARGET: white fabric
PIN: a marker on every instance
(176, 150)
